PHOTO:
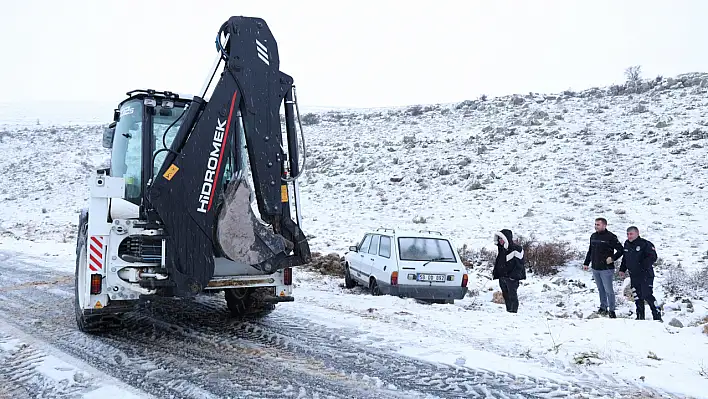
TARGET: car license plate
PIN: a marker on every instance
(431, 277)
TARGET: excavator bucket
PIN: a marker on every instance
(241, 235)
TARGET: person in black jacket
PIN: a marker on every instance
(509, 268)
(639, 258)
(604, 250)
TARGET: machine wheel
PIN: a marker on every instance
(374, 287)
(86, 323)
(247, 302)
(348, 280)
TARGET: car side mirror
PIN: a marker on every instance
(108, 135)
(354, 248)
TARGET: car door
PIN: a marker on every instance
(359, 261)
(384, 264)
(370, 258)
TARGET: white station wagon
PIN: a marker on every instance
(423, 265)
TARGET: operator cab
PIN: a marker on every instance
(144, 123)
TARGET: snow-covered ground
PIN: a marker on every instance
(546, 165)
(52, 374)
(551, 331)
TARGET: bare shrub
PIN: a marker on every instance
(415, 110)
(633, 74)
(679, 282)
(310, 119)
(498, 298)
(482, 257)
(330, 264)
(544, 258)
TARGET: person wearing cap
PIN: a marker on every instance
(509, 268)
(639, 257)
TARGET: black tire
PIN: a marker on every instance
(348, 280)
(92, 324)
(374, 287)
(247, 302)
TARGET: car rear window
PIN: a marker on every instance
(425, 248)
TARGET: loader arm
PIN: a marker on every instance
(206, 214)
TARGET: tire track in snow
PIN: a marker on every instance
(168, 361)
(26, 371)
(340, 353)
(193, 349)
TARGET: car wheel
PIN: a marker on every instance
(348, 281)
(374, 287)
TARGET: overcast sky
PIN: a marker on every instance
(362, 53)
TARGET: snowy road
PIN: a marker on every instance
(192, 349)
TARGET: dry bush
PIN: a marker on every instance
(482, 257)
(628, 292)
(705, 329)
(310, 119)
(330, 264)
(677, 281)
(544, 258)
(633, 74)
(498, 297)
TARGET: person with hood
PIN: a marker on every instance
(509, 268)
(603, 251)
(639, 257)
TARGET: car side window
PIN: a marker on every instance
(385, 247)
(374, 248)
(365, 245)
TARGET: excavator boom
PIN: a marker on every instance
(201, 193)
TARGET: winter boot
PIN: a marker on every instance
(612, 314)
(655, 312)
(640, 313)
(656, 315)
(602, 312)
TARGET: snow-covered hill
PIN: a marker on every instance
(539, 164)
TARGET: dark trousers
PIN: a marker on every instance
(643, 290)
(508, 288)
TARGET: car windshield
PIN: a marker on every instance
(425, 249)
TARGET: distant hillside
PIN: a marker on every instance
(542, 164)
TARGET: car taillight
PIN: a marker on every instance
(288, 276)
(96, 284)
(464, 280)
(394, 278)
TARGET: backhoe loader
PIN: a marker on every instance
(202, 191)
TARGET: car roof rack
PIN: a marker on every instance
(430, 232)
(386, 229)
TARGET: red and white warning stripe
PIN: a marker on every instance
(96, 253)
